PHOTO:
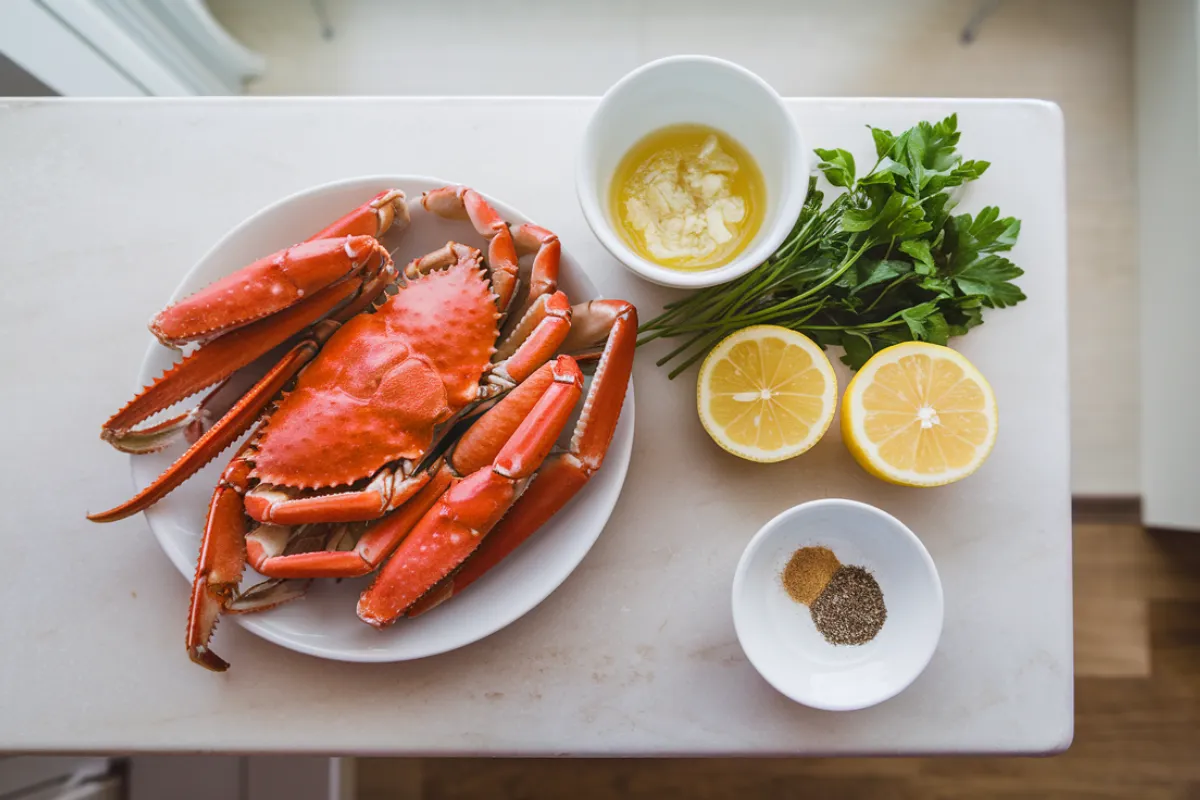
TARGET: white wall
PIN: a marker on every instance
(1168, 139)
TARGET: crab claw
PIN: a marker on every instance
(207, 604)
(266, 287)
(388, 209)
(219, 568)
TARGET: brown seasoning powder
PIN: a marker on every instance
(808, 572)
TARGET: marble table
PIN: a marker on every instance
(105, 205)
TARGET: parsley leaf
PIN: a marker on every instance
(884, 140)
(877, 272)
(858, 349)
(922, 258)
(838, 166)
(917, 318)
(989, 277)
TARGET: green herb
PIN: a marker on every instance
(884, 262)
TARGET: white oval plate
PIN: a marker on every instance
(323, 623)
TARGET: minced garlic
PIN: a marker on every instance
(688, 197)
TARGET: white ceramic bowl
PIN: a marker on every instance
(708, 91)
(778, 633)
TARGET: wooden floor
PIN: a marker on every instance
(1137, 707)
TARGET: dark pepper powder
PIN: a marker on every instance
(850, 610)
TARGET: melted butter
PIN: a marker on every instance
(688, 197)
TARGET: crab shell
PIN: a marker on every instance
(383, 383)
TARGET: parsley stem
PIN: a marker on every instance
(846, 264)
(868, 325)
(886, 289)
(705, 344)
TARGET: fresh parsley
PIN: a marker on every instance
(885, 262)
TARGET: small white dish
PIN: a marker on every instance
(702, 90)
(778, 634)
(323, 623)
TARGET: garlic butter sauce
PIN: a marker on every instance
(688, 197)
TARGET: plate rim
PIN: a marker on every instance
(261, 628)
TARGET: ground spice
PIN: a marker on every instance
(850, 608)
(807, 573)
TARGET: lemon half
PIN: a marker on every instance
(766, 393)
(919, 414)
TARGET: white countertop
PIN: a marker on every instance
(106, 204)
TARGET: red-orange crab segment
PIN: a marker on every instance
(539, 332)
(266, 287)
(549, 327)
(284, 278)
(231, 345)
(248, 409)
(524, 418)
(477, 448)
(372, 218)
(548, 305)
(543, 276)
(504, 244)
(210, 365)
(379, 390)
(613, 322)
(219, 568)
(244, 414)
(450, 531)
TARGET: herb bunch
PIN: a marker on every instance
(884, 262)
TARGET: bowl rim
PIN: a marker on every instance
(794, 192)
(757, 542)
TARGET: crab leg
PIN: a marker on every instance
(459, 202)
(543, 279)
(226, 354)
(447, 255)
(477, 448)
(504, 243)
(219, 566)
(460, 519)
(538, 335)
(560, 478)
(387, 490)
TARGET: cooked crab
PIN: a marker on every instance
(362, 420)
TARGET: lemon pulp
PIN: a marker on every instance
(766, 393)
(919, 414)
